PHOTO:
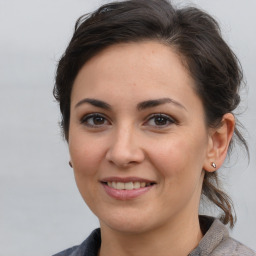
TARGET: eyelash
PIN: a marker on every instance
(166, 118)
(93, 116)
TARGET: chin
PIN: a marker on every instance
(128, 222)
(128, 227)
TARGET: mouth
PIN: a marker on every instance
(128, 185)
(126, 188)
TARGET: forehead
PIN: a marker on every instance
(144, 69)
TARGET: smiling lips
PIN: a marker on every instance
(126, 188)
(128, 185)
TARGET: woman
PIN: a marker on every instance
(147, 93)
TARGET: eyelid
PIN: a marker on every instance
(93, 115)
(168, 117)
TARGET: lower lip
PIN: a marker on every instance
(122, 194)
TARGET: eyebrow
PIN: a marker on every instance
(140, 106)
(94, 102)
(156, 102)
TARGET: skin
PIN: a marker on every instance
(173, 149)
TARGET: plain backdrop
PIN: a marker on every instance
(41, 211)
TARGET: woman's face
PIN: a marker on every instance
(138, 141)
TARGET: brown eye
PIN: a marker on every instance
(160, 121)
(94, 120)
(98, 120)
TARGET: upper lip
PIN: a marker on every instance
(126, 179)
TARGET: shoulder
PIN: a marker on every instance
(89, 247)
(217, 242)
(230, 246)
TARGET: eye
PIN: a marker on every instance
(160, 121)
(95, 120)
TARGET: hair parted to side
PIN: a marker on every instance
(191, 32)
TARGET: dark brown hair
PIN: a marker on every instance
(191, 32)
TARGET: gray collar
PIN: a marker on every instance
(212, 238)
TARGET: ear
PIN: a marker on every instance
(219, 140)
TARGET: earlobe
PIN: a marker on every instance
(219, 140)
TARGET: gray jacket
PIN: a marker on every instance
(216, 242)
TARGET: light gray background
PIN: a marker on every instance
(41, 211)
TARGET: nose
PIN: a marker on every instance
(125, 149)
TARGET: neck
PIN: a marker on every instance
(177, 238)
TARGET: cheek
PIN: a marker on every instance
(179, 156)
(86, 155)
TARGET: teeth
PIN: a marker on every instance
(127, 185)
(114, 184)
(143, 184)
(136, 184)
(120, 185)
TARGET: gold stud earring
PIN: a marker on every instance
(70, 164)
(213, 165)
